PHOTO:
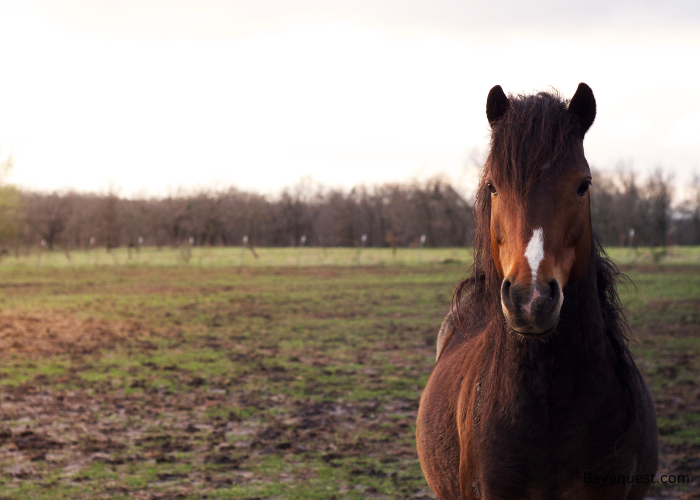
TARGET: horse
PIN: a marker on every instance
(535, 394)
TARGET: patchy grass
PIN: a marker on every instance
(280, 382)
(234, 256)
(297, 257)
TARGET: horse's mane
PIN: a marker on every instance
(535, 131)
(608, 276)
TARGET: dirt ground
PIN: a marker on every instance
(301, 383)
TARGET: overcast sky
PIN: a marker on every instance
(152, 95)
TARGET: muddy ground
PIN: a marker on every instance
(266, 383)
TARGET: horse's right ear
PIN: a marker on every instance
(582, 105)
(496, 105)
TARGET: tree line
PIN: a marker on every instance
(625, 211)
(629, 211)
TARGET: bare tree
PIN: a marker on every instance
(394, 214)
(658, 197)
(47, 215)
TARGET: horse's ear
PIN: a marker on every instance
(496, 105)
(582, 106)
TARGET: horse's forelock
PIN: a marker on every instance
(535, 132)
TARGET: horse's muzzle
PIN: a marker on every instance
(531, 308)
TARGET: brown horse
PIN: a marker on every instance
(535, 394)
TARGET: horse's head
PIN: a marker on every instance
(537, 179)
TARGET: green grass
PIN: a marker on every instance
(676, 255)
(165, 379)
(304, 257)
(234, 256)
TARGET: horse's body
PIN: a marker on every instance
(530, 400)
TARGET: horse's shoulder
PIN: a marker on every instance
(446, 339)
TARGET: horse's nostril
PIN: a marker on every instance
(554, 291)
(505, 294)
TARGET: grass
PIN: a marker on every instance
(302, 257)
(156, 380)
(233, 257)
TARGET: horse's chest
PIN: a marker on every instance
(531, 447)
(534, 448)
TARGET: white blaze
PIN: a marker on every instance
(534, 253)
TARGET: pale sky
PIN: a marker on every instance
(151, 95)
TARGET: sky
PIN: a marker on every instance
(148, 96)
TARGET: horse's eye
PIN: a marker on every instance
(491, 188)
(583, 188)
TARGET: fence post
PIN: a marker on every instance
(420, 250)
(244, 244)
(302, 240)
(363, 240)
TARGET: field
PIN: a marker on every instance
(301, 257)
(208, 373)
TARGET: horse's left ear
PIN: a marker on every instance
(496, 104)
(582, 106)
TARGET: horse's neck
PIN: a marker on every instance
(572, 377)
(578, 345)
